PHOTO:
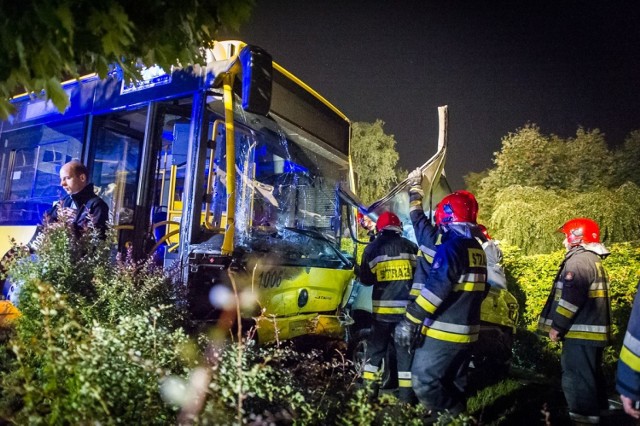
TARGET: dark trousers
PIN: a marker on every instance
(583, 381)
(377, 346)
(440, 375)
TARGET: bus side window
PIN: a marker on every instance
(30, 162)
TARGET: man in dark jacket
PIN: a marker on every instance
(447, 311)
(577, 313)
(388, 263)
(81, 205)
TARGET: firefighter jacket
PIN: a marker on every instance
(578, 305)
(628, 377)
(89, 208)
(388, 264)
(448, 306)
(427, 237)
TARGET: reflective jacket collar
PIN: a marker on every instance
(462, 229)
(595, 248)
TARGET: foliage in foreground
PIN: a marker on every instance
(101, 341)
(94, 337)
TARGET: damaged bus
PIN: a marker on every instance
(228, 171)
(237, 173)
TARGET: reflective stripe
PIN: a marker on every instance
(404, 383)
(416, 288)
(404, 379)
(586, 335)
(593, 294)
(473, 278)
(632, 343)
(412, 318)
(425, 304)
(370, 377)
(370, 368)
(568, 305)
(431, 297)
(454, 328)
(389, 307)
(415, 205)
(371, 373)
(629, 358)
(450, 337)
(584, 419)
(579, 331)
(386, 258)
(389, 311)
(545, 322)
(470, 286)
(427, 251)
(590, 328)
(564, 312)
(404, 375)
(558, 285)
(389, 303)
(598, 285)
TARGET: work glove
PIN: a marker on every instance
(405, 333)
(415, 177)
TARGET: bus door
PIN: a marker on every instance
(138, 161)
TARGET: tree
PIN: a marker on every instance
(627, 159)
(374, 160)
(541, 181)
(46, 41)
(527, 158)
(528, 217)
(586, 161)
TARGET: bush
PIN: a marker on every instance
(95, 336)
(531, 279)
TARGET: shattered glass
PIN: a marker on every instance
(285, 179)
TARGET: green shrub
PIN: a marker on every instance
(95, 337)
(531, 279)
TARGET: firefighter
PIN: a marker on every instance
(577, 313)
(628, 377)
(429, 238)
(427, 235)
(388, 264)
(444, 320)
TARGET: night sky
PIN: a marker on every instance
(497, 64)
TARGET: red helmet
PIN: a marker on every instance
(484, 230)
(581, 230)
(456, 207)
(472, 199)
(388, 220)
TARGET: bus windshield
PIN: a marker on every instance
(285, 179)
